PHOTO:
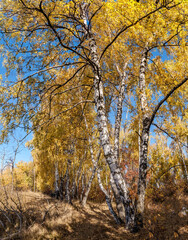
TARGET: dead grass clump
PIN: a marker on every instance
(12, 217)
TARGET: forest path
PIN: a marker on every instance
(48, 218)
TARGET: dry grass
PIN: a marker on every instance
(47, 218)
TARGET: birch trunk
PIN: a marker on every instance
(12, 173)
(123, 77)
(84, 200)
(78, 174)
(102, 122)
(146, 123)
(108, 200)
(73, 190)
(56, 181)
(95, 162)
(119, 203)
(67, 191)
(61, 187)
(184, 167)
(83, 186)
(34, 177)
(143, 148)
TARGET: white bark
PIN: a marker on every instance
(61, 190)
(67, 191)
(84, 200)
(123, 77)
(119, 204)
(83, 186)
(108, 200)
(146, 123)
(56, 180)
(144, 136)
(95, 162)
(102, 121)
(78, 174)
(73, 188)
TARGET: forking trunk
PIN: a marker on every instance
(102, 124)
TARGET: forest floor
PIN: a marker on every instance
(37, 216)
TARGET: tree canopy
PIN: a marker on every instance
(75, 64)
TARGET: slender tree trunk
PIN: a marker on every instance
(102, 122)
(61, 187)
(56, 181)
(104, 134)
(12, 173)
(84, 200)
(184, 167)
(119, 204)
(95, 162)
(123, 77)
(142, 176)
(78, 174)
(146, 123)
(143, 148)
(88, 187)
(67, 191)
(73, 190)
(108, 200)
(83, 187)
(34, 179)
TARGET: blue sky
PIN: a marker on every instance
(9, 148)
(24, 153)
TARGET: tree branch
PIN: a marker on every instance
(174, 138)
(131, 25)
(164, 99)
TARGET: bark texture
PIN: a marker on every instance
(57, 194)
(108, 200)
(95, 162)
(85, 197)
(143, 143)
(83, 186)
(67, 191)
(123, 77)
(102, 122)
(119, 203)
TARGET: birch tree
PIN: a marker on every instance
(45, 41)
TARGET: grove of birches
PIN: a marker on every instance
(102, 88)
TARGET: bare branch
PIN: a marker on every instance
(172, 137)
(47, 69)
(178, 165)
(165, 99)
